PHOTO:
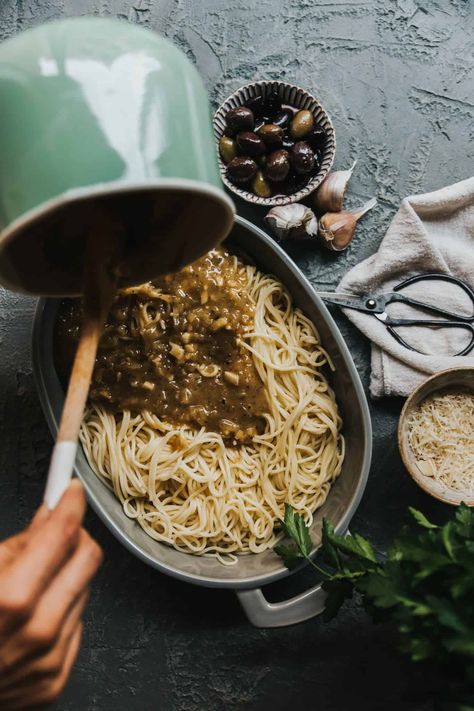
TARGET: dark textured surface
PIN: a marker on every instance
(396, 78)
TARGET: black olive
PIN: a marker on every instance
(255, 105)
(294, 182)
(241, 169)
(272, 104)
(283, 118)
(302, 157)
(239, 119)
(250, 144)
(227, 149)
(278, 188)
(277, 166)
(316, 138)
(271, 135)
(259, 122)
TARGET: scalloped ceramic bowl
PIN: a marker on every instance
(298, 99)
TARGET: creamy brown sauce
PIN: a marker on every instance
(171, 347)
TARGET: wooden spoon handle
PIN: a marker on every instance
(99, 290)
(64, 453)
(79, 382)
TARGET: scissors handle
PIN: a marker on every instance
(422, 322)
(396, 296)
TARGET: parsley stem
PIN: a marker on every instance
(316, 567)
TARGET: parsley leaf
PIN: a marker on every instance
(421, 518)
(424, 584)
(295, 528)
(290, 556)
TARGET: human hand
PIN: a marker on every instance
(45, 572)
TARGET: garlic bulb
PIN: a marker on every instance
(330, 194)
(336, 229)
(293, 221)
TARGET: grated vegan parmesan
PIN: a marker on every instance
(441, 436)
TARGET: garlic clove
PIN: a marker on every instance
(336, 229)
(293, 221)
(284, 218)
(329, 197)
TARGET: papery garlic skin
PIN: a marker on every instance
(329, 197)
(312, 226)
(293, 221)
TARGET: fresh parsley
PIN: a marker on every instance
(296, 529)
(425, 583)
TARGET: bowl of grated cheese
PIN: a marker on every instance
(436, 435)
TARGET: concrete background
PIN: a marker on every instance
(397, 78)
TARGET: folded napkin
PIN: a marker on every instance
(429, 233)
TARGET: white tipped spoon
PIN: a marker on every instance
(99, 291)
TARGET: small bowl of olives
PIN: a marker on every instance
(275, 143)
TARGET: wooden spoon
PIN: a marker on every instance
(99, 291)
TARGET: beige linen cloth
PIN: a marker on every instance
(429, 233)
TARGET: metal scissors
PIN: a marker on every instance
(376, 305)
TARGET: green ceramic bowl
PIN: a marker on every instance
(101, 112)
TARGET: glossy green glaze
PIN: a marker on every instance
(90, 100)
(92, 105)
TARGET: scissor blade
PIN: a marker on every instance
(348, 301)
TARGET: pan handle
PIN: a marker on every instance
(262, 613)
(300, 608)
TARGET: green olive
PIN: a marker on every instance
(260, 185)
(227, 149)
(301, 124)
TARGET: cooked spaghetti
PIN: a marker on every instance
(221, 491)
